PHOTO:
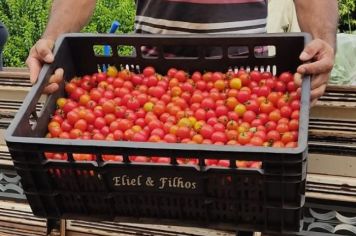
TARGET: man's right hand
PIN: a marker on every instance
(39, 54)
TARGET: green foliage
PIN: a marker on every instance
(26, 20)
(107, 11)
(347, 10)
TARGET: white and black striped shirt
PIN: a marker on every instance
(201, 16)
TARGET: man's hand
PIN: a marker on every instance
(39, 54)
(321, 55)
(320, 19)
(80, 12)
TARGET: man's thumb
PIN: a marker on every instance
(49, 58)
(44, 50)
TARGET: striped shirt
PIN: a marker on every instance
(201, 16)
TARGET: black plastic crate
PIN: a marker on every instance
(269, 199)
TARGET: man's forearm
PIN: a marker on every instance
(68, 16)
(319, 18)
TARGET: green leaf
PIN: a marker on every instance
(27, 19)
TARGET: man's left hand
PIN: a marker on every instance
(322, 57)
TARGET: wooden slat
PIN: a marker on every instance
(324, 121)
(333, 165)
(76, 233)
(323, 145)
(17, 220)
(326, 128)
(8, 207)
(13, 93)
(22, 229)
(315, 134)
(114, 228)
(15, 72)
(317, 183)
(341, 88)
(14, 83)
(346, 111)
(2, 137)
(63, 228)
(331, 197)
(16, 69)
(15, 75)
(19, 217)
(332, 130)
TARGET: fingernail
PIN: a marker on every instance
(298, 79)
(49, 58)
(301, 70)
(304, 56)
(61, 71)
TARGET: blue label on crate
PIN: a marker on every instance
(159, 183)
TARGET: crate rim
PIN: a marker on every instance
(307, 36)
(13, 140)
(149, 145)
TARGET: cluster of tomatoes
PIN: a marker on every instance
(232, 108)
